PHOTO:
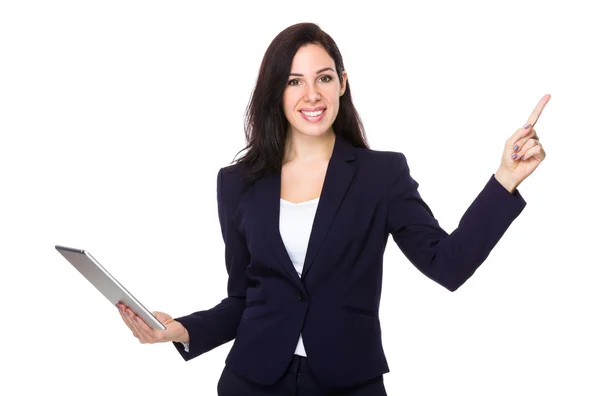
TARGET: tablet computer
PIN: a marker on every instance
(106, 284)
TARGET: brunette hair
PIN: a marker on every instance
(265, 123)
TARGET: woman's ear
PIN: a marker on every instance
(343, 83)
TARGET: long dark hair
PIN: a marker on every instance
(265, 123)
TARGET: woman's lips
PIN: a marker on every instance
(313, 118)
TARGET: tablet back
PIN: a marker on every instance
(106, 284)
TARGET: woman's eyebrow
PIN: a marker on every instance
(318, 71)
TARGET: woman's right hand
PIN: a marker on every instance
(147, 335)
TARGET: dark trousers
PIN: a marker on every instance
(297, 381)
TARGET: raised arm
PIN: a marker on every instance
(448, 259)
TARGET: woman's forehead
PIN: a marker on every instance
(311, 59)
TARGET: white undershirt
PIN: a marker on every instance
(295, 225)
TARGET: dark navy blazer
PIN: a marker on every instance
(367, 195)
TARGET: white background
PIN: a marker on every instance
(115, 117)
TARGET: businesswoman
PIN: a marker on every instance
(305, 215)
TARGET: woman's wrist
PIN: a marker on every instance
(506, 181)
(183, 335)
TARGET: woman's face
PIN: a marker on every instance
(311, 98)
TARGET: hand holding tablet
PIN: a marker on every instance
(148, 327)
(147, 335)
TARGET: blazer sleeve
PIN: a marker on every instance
(213, 327)
(448, 259)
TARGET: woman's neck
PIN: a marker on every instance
(304, 148)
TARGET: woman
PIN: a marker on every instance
(305, 216)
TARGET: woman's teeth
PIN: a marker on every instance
(312, 113)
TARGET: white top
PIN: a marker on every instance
(295, 225)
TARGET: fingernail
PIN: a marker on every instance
(527, 126)
(515, 148)
(523, 156)
(514, 156)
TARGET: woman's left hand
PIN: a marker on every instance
(523, 152)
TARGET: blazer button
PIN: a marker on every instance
(301, 297)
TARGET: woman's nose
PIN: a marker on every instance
(312, 93)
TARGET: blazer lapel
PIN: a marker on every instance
(338, 177)
(268, 194)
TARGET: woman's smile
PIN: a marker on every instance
(314, 114)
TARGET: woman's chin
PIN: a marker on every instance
(314, 130)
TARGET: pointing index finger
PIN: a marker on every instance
(538, 110)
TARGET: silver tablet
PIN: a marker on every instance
(106, 284)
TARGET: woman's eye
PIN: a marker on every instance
(293, 82)
(326, 78)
